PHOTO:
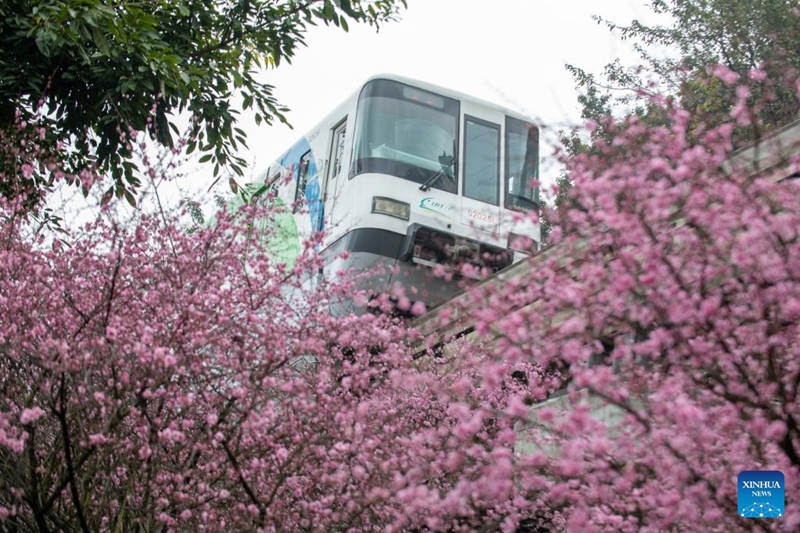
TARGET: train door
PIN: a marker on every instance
(481, 174)
(334, 177)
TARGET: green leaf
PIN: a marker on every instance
(130, 198)
(212, 134)
(100, 40)
(43, 43)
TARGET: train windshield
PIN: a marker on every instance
(522, 165)
(408, 133)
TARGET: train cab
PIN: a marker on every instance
(424, 188)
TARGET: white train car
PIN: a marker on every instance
(406, 176)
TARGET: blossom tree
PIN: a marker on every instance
(156, 378)
(162, 379)
(664, 327)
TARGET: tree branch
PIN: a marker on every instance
(62, 418)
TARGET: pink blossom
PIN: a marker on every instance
(31, 415)
(97, 439)
(516, 407)
(725, 74)
(27, 170)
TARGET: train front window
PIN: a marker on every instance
(408, 133)
(522, 165)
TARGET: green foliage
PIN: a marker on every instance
(97, 69)
(675, 58)
(560, 201)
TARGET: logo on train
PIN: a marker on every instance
(429, 203)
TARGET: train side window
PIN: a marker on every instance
(302, 179)
(522, 165)
(481, 160)
(337, 148)
(274, 181)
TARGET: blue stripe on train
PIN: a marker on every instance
(291, 160)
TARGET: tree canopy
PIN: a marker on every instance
(751, 39)
(90, 71)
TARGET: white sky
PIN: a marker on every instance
(511, 52)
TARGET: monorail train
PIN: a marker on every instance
(406, 176)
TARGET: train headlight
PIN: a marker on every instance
(388, 206)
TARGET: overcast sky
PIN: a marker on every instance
(511, 52)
